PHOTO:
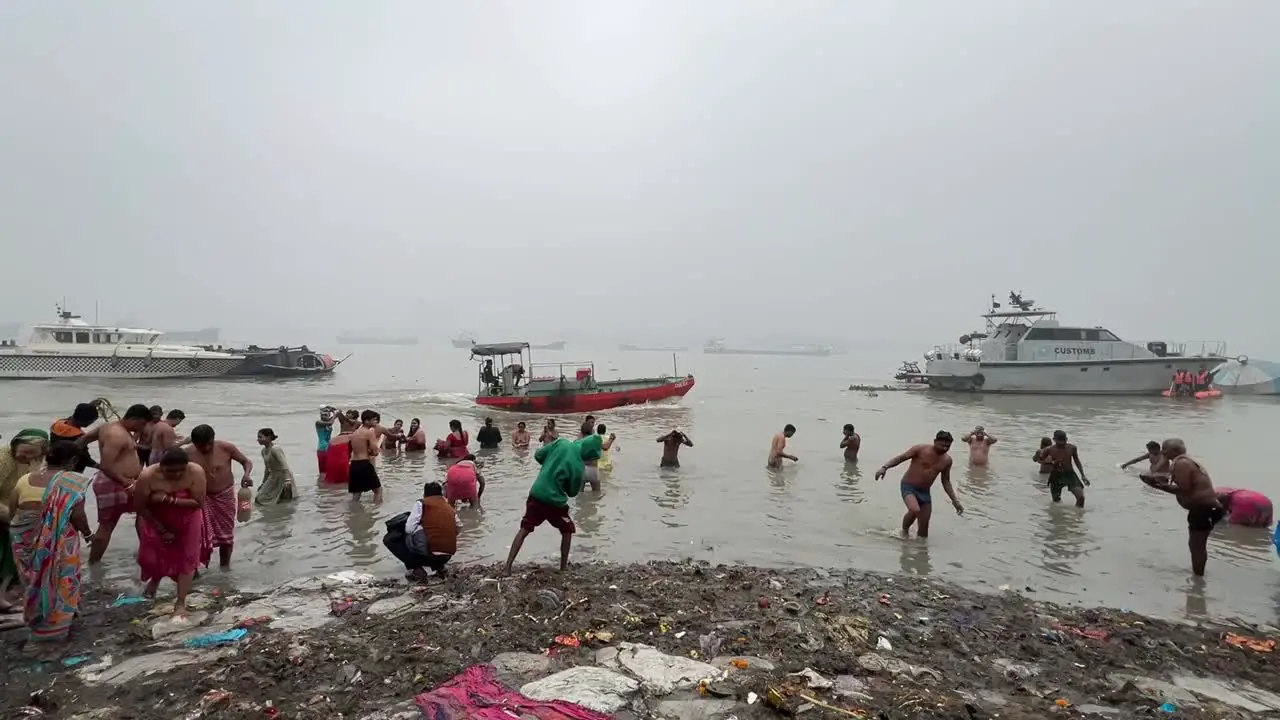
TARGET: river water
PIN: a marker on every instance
(1126, 549)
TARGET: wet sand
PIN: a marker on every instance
(354, 648)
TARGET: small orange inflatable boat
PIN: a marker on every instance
(1198, 395)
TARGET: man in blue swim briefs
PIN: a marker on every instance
(928, 461)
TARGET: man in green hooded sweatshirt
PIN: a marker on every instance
(559, 479)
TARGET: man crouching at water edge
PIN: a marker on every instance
(927, 463)
(1060, 455)
(559, 479)
(1190, 483)
(427, 536)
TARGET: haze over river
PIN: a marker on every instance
(1127, 548)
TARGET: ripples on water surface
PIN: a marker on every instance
(1127, 548)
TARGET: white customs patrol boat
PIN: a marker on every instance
(73, 348)
(1024, 349)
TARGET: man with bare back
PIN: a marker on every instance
(778, 448)
(979, 443)
(219, 507)
(927, 463)
(1061, 455)
(364, 447)
(142, 438)
(118, 470)
(671, 444)
(164, 435)
(1187, 480)
(850, 443)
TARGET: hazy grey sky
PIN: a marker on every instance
(853, 168)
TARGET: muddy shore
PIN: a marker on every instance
(728, 641)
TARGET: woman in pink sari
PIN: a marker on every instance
(169, 498)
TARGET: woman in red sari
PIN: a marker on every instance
(169, 498)
(457, 440)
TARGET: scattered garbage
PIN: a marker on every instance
(1169, 708)
(1090, 633)
(215, 700)
(813, 679)
(1252, 643)
(123, 600)
(344, 606)
(930, 650)
(214, 639)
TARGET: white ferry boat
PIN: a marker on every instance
(72, 348)
(1024, 349)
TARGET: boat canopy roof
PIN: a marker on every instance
(510, 348)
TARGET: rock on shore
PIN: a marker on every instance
(662, 640)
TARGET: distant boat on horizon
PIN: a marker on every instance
(557, 345)
(653, 348)
(716, 346)
(354, 339)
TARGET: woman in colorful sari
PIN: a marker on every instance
(51, 556)
(23, 453)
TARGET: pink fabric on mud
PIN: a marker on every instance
(1248, 508)
(476, 693)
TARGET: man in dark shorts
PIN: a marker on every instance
(1061, 455)
(1187, 480)
(559, 479)
(928, 462)
(671, 444)
(364, 447)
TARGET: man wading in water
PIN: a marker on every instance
(1153, 456)
(778, 449)
(1189, 482)
(979, 443)
(851, 442)
(118, 470)
(1061, 455)
(927, 463)
(671, 444)
(215, 456)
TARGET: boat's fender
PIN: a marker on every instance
(979, 380)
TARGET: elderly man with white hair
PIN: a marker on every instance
(1187, 480)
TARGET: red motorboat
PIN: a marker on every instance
(509, 380)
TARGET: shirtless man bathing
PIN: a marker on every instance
(778, 448)
(1187, 480)
(1060, 455)
(850, 443)
(979, 443)
(927, 463)
(671, 444)
(364, 447)
(219, 507)
(164, 435)
(118, 470)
